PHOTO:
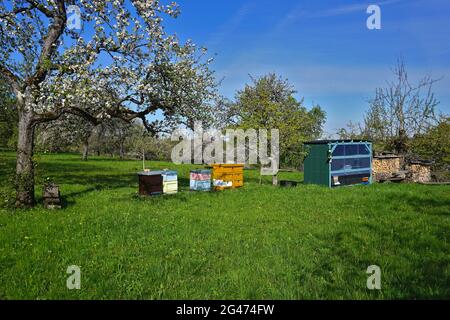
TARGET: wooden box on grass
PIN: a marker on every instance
(158, 182)
(51, 196)
(150, 183)
(200, 180)
(227, 176)
(170, 181)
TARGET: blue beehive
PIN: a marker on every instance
(200, 180)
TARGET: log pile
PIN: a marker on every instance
(385, 167)
(394, 168)
(419, 172)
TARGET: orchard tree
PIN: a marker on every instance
(397, 113)
(111, 136)
(351, 131)
(401, 110)
(122, 60)
(120, 131)
(99, 138)
(67, 131)
(269, 102)
(147, 147)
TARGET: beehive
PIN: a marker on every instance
(200, 180)
(150, 183)
(170, 181)
(227, 176)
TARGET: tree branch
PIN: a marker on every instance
(16, 11)
(54, 115)
(34, 4)
(122, 113)
(50, 44)
(12, 79)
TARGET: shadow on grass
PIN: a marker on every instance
(433, 206)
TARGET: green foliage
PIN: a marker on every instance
(435, 145)
(8, 117)
(258, 242)
(269, 103)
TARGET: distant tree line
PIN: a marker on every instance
(113, 138)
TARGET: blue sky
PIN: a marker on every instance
(323, 47)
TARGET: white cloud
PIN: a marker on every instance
(299, 12)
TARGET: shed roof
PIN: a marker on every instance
(335, 141)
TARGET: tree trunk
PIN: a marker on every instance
(400, 143)
(85, 150)
(122, 151)
(24, 166)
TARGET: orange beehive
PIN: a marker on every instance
(227, 176)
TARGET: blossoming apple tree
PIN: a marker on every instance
(122, 63)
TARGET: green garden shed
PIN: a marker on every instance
(336, 163)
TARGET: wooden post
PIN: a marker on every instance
(143, 159)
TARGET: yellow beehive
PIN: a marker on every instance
(227, 176)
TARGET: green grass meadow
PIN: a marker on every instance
(257, 242)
